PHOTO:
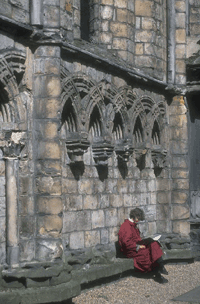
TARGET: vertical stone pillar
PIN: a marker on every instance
(180, 211)
(36, 12)
(47, 152)
(12, 150)
(11, 168)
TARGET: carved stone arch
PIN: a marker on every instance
(136, 112)
(11, 70)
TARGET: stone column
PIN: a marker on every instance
(36, 12)
(180, 211)
(11, 167)
(47, 152)
(12, 150)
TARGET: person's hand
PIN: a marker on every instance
(142, 246)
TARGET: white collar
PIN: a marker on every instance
(131, 220)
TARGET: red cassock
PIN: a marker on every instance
(144, 258)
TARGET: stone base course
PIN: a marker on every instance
(47, 283)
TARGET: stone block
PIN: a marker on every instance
(105, 26)
(180, 36)
(163, 184)
(2, 186)
(143, 8)
(92, 238)
(139, 48)
(19, 15)
(151, 185)
(181, 227)
(99, 186)
(48, 150)
(70, 186)
(50, 225)
(180, 79)
(182, 184)
(152, 229)
(2, 168)
(52, 16)
(162, 212)
(48, 185)
(150, 212)
(180, 6)
(179, 161)
(104, 236)
(148, 23)
(26, 226)
(47, 129)
(85, 186)
(116, 200)
(121, 216)
(113, 234)
(27, 250)
(2, 206)
(47, 107)
(140, 186)
(47, 66)
(111, 186)
(106, 12)
(2, 229)
(180, 20)
(90, 202)
(144, 36)
(98, 219)
(49, 205)
(79, 220)
(120, 3)
(63, 277)
(118, 29)
(48, 167)
(25, 185)
(47, 249)
(162, 227)
(103, 201)
(179, 197)
(120, 43)
(163, 197)
(180, 173)
(111, 217)
(121, 15)
(73, 202)
(179, 133)
(180, 212)
(145, 199)
(122, 186)
(106, 38)
(131, 200)
(107, 2)
(37, 283)
(180, 66)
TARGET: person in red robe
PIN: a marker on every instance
(147, 257)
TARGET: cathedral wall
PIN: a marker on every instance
(18, 10)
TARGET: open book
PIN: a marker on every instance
(149, 240)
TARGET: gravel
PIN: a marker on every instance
(135, 290)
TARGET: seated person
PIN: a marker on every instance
(147, 257)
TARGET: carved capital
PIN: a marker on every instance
(159, 158)
(102, 150)
(76, 148)
(123, 149)
(13, 145)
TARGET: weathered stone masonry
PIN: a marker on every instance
(98, 111)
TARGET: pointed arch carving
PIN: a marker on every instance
(12, 67)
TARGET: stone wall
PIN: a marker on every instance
(17, 10)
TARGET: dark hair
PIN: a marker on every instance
(137, 213)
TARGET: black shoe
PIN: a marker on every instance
(160, 279)
(163, 270)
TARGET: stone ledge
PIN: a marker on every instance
(178, 254)
(82, 277)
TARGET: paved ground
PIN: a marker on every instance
(137, 290)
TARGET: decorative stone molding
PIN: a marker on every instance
(102, 150)
(159, 158)
(76, 148)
